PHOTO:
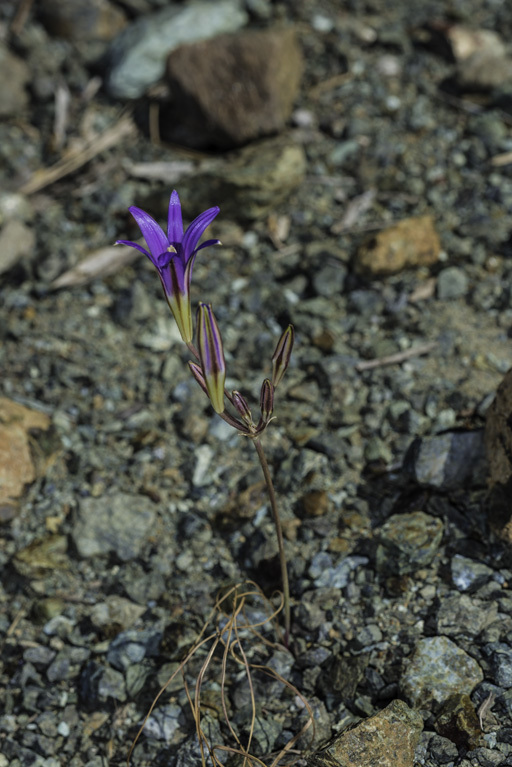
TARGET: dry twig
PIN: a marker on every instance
(395, 359)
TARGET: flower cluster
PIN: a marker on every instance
(173, 255)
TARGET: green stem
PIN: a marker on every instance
(279, 533)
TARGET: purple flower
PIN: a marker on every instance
(174, 255)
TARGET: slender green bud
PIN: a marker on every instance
(211, 356)
(242, 407)
(267, 400)
(282, 354)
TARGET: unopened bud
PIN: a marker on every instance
(211, 355)
(266, 400)
(242, 407)
(282, 354)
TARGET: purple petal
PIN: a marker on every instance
(196, 229)
(174, 219)
(173, 277)
(133, 245)
(207, 244)
(151, 231)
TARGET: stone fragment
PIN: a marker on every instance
(408, 542)
(13, 96)
(501, 663)
(232, 89)
(452, 282)
(436, 670)
(498, 444)
(447, 461)
(410, 243)
(484, 70)
(458, 721)
(113, 523)
(16, 466)
(137, 56)
(82, 19)
(17, 242)
(251, 182)
(498, 433)
(468, 574)
(116, 613)
(387, 739)
(460, 614)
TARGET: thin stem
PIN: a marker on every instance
(279, 533)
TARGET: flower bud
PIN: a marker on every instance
(242, 407)
(282, 354)
(198, 375)
(211, 356)
(266, 400)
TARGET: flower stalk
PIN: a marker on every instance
(173, 254)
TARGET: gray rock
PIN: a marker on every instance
(452, 282)
(137, 56)
(447, 461)
(436, 670)
(132, 646)
(408, 542)
(501, 660)
(460, 614)
(163, 722)
(13, 96)
(232, 89)
(116, 523)
(467, 574)
(17, 241)
(325, 573)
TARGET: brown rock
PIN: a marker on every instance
(410, 243)
(387, 739)
(13, 96)
(234, 88)
(483, 71)
(16, 466)
(316, 503)
(82, 19)
(458, 722)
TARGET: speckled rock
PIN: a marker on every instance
(117, 523)
(436, 670)
(461, 614)
(387, 739)
(253, 182)
(458, 721)
(138, 55)
(234, 88)
(498, 433)
(410, 243)
(408, 542)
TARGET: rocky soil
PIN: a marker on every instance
(361, 156)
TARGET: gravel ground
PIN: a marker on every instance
(379, 223)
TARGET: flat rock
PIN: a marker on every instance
(250, 182)
(408, 542)
(233, 89)
(13, 96)
(436, 670)
(410, 243)
(387, 739)
(113, 524)
(138, 55)
(447, 461)
(462, 614)
(82, 19)
(17, 468)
